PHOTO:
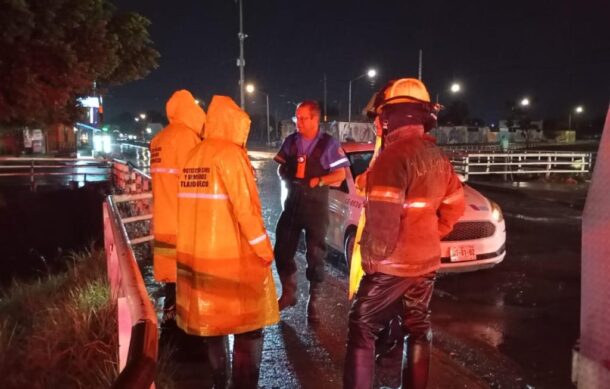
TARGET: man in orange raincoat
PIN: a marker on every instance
(168, 150)
(225, 285)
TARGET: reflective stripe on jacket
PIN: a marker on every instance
(414, 199)
(225, 285)
(168, 150)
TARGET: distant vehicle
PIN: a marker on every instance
(476, 242)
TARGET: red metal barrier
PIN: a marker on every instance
(591, 363)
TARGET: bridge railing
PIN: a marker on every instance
(34, 170)
(137, 319)
(531, 162)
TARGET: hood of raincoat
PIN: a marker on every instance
(181, 108)
(227, 121)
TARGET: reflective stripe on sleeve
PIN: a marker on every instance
(207, 196)
(164, 170)
(257, 239)
(415, 204)
(386, 193)
(339, 162)
(454, 196)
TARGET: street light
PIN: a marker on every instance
(525, 102)
(456, 87)
(142, 116)
(371, 73)
(577, 110)
(251, 89)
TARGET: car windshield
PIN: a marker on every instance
(359, 162)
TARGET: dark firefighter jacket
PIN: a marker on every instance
(413, 200)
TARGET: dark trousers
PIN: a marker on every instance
(304, 210)
(373, 308)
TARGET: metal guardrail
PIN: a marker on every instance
(37, 168)
(138, 327)
(530, 162)
(138, 332)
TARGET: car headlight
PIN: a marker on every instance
(496, 212)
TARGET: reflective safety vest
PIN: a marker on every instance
(169, 150)
(225, 285)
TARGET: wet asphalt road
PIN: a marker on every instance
(512, 326)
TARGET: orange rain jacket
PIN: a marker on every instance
(224, 282)
(168, 152)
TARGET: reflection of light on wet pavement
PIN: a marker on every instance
(485, 332)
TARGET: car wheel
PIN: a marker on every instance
(348, 246)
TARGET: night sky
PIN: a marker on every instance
(557, 53)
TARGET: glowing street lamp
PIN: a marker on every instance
(525, 102)
(454, 88)
(371, 73)
(251, 89)
(142, 116)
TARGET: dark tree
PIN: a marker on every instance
(52, 51)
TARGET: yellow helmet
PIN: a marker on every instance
(403, 90)
(407, 88)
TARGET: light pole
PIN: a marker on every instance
(578, 110)
(251, 89)
(371, 73)
(455, 88)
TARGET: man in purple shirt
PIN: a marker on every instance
(309, 161)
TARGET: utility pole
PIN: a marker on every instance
(241, 62)
(421, 56)
(325, 116)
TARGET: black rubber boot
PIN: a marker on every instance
(168, 320)
(313, 304)
(415, 365)
(247, 353)
(217, 351)
(289, 292)
(359, 370)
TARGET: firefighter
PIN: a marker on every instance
(168, 150)
(413, 200)
(310, 161)
(225, 285)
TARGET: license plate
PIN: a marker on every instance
(462, 253)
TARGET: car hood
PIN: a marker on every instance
(477, 205)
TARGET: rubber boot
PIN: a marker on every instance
(217, 351)
(359, 370)
(247, 353)
(168, 320)
(313, 304)
(289, 292)
(415, 365)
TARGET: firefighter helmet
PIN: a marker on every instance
(405, 93)
(404, 90)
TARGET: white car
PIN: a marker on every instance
(476, 242)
